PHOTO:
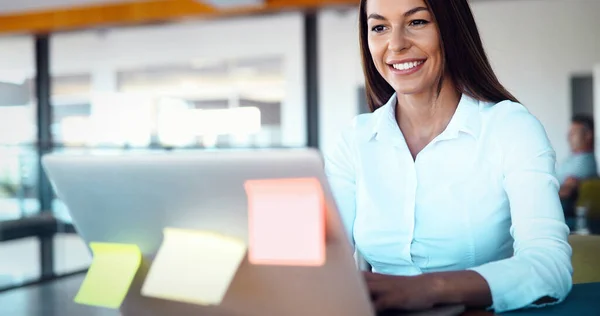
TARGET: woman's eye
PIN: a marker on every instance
(418, 22)
(378, 28)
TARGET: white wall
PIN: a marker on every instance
(534, 46)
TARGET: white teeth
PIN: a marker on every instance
(407, 66)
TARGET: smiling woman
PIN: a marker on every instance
(438, 38)
(448, 187)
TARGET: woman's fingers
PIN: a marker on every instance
(381, 303)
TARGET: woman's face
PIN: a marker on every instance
(405, 44)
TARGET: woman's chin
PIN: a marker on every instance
(414, 87)
(408, 87)
(404, 90)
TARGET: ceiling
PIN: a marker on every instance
(41, 16)
(19, 6)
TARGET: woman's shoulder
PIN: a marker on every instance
(507, 115)
(504, 109)
(513, 126)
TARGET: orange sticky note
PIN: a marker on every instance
(286, 219)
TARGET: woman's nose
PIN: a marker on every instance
(398, 41)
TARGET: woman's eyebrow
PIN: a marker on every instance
(415, 10)
(376, 17)
(408, 13)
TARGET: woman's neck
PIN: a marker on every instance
(426, 115)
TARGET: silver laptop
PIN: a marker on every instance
(130, 198)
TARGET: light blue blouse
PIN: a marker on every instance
(483, 195)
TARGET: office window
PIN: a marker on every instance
(24, 263)
(17, 152)
(209, 104)
(71, 108)
(18, 161)
(175, 86)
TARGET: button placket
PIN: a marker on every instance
(411, 194)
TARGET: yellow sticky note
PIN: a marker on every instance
(110, 275)
(194, 267)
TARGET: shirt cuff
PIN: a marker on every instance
(508, 295)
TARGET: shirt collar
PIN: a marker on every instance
(466, 119)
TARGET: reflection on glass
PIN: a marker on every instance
(18, 160)
(24, 263)
(17, 125)
(201, 104)
(18, 182)
(174, 125)
(209, 104)
(120, 120)
(19, 258)
(71, 109)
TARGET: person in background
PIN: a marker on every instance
(448, 188)
(581, 163)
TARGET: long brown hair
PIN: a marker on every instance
(465, 60)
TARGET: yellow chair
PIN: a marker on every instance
(586, 258)
(589, 196)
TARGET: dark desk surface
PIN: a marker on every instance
(49, 299)
(56, 299)
(584, 300)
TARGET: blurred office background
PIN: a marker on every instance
(218, 78)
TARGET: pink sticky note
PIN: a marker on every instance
(286, 221)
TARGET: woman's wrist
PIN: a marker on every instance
(459, 287)
(436, 288)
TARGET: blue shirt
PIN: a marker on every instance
(581, 166)
(483, 195)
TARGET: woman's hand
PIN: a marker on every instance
(424, 291)
(401, 292)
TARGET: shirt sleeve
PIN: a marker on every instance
(339, 169)
(541, 264)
